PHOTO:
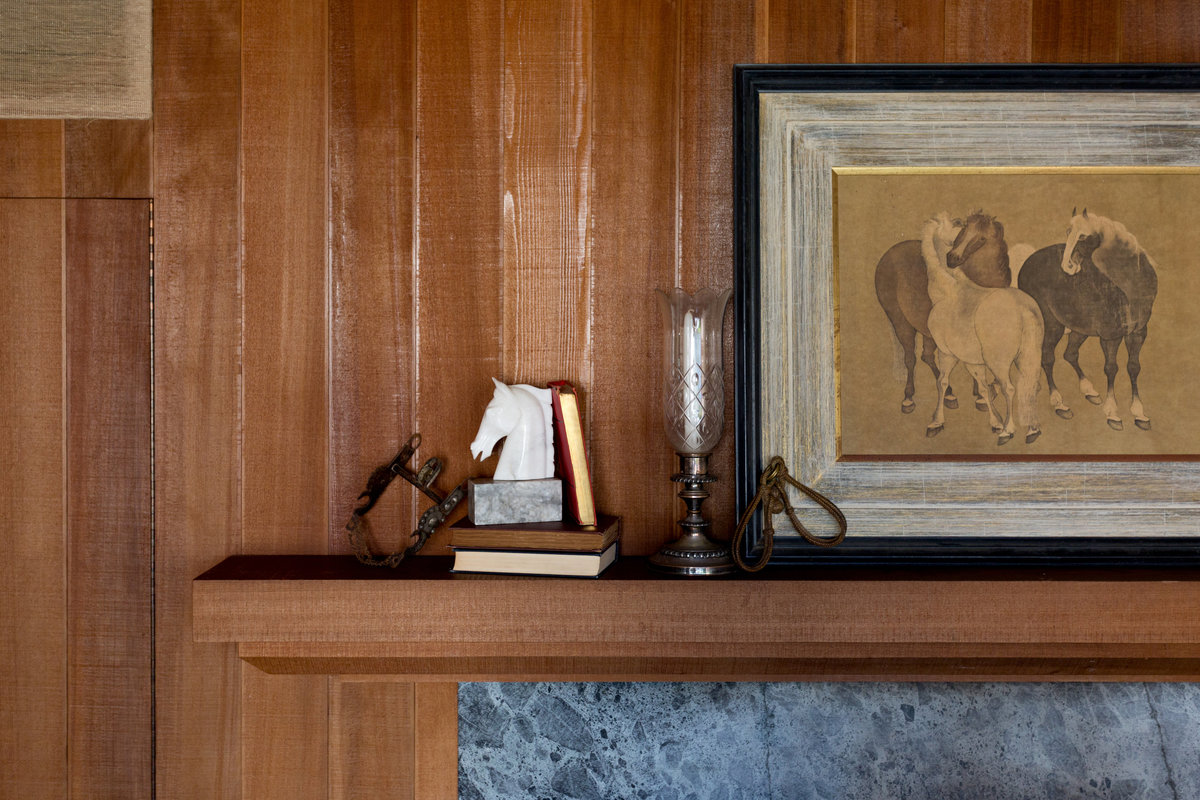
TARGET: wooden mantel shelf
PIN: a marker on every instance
(328, 614)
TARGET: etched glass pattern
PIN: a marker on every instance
(694, 392)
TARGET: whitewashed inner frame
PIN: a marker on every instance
(803, 138)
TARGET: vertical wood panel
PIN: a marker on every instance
(31, 158)
(284, 247)
(547, 175)
(988, 30)
(108, 498)
(371, 740)
(891, 31)
(284, 368)
(803, 31)
(33, 732)
(107, 158)
(436, 730)
(285, 746)
(1160, 30)
(636, 48)
(717, 33)
(1076, 30)
(197, 97)
(460, 91)
(371, 175)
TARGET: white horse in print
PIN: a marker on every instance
(992, 331)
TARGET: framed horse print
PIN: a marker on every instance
(967, 308)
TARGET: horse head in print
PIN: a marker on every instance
(1099, 282)
(994, 331)
(980, 252)
(521, 415)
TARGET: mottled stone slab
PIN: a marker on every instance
(781, 741)
(493, 502)
(967, 741)
(612, 741)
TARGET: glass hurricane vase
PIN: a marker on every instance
(694, 419)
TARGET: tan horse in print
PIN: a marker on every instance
(993, 331)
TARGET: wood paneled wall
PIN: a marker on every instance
(364, 211)
(75, 497)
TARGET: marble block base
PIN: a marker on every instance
(492, 502)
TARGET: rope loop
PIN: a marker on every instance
(772, 495)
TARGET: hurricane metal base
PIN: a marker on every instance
(694, 553)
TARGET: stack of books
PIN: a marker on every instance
(582, 544)
(536, 548)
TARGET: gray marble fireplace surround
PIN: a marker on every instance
(891, 741)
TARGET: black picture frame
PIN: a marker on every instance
(1180, 545)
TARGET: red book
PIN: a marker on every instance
(571, 453)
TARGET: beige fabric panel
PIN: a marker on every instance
(75, 58)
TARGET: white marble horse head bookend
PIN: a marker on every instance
(522, 415)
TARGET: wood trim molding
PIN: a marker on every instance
(328, 614)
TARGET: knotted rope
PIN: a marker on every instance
(772, 495)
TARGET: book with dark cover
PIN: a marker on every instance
(570, 452)
(526, 562)
(565, 536)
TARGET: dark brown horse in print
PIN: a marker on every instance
(1100, 282)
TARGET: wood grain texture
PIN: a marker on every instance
(459, 281)
(988, 31)
(31, 158)
(284, 209)
(197, 367)
(1160, 30)
(1076, 31)
(284, 738)
(722, 661)
(371, 106)
(33, 597)
(547, 191)
(107, 158)
(371, 740)
(1012, 606)
(107, 322)
(459, 164)
(893, 31)
(636, 121)
(436, 727)
(285, 455)
(715, 35)
(802, 31)
(482, 626)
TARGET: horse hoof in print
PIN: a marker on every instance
(933, 430)
(1032, 436)
(980, 320)
(1099, 282)
(907, 406)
